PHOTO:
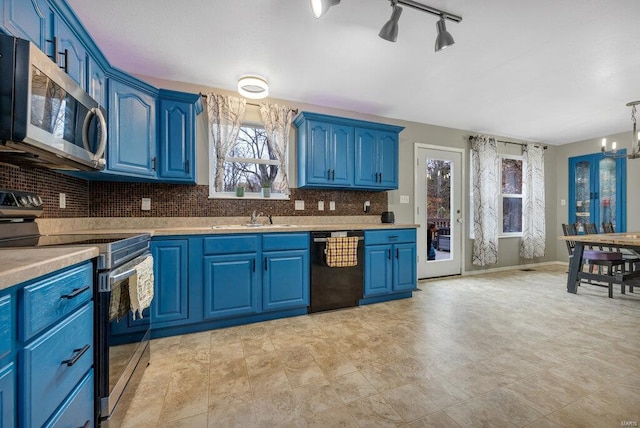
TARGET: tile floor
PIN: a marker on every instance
(511, 349)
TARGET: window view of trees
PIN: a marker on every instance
(438, 189)
(251, 162)
(511, 195)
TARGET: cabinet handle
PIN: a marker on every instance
(75, 293)
(265, 264)
(86, 424)
(389, 254)
(54, 42)
(393, 237)
(153, 163)
(254, 265)
(397, 253)
(333, 174)
(328, 174)
(380, 177)
(79, 353)
(65, 54)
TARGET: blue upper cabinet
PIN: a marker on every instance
(132, 130)
(28, 19)
(176, 134)
(72, 55)
(376, 157)
(97, 82)
(336, 152)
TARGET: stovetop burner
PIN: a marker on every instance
(66, 239)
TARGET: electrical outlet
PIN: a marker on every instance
(320, 205)
(404, 199)
(563, 202)
(299, 205)
(63, 200)
(367, 206)
(332, 206)
(146, 204)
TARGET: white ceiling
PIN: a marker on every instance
(552, 71)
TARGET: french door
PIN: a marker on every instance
(438, 195)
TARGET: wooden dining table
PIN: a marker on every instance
(629, 240)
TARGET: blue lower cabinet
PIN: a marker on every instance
(285, 279)
(170, 303)
(54, 364)
(378, 270)
(78, 408)
(7, 326)
(8, 396)
(404, 269)
(230, 286)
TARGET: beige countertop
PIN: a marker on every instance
(23, 264)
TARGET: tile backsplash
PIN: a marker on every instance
(117, 199)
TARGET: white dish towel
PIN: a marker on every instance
(141, 287)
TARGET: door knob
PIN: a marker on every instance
(459, 220)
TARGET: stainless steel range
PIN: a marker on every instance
(119, 361)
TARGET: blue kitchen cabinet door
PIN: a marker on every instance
(28, 19)
(8, 396)
(376, 159)
(7, 326)
(378, 270)
(177, 141)
(404, 267)
(132, 131)
(72, 54)
(230, 286)
(285, 280)
(171, 263)
(97, 83)
(329, 149)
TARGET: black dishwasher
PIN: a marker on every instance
(335, 287)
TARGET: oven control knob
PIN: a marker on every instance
(31, 200)
(23, 201)
(38, 201)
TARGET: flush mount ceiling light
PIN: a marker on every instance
(320, 7)
(254, 87)
(635, 136)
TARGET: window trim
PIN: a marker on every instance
(501, 232)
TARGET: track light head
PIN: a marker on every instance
(389, 30)
(320, 7)
(444, 38)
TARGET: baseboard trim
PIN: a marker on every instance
(514, 267)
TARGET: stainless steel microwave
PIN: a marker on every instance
(46, 118)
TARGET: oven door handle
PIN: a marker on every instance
(126, 271)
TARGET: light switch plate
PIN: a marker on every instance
(146, 204)
(563, 202)
(404, 199)
(332, 206)
(299, 205)
(320, 205)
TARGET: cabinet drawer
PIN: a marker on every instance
(389, 236)
(77, 410)
(230, 244)
(285, 241)
(54, 364)
(6, 326)
(51, 299)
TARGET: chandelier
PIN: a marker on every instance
(635, 136)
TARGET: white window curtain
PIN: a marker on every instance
(486, 190)
(225, 118)
(277, 124)
(533, 207)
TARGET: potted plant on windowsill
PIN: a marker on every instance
(266, 189)
(240, 190)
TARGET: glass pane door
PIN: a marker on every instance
(582, 202)
(607, 192)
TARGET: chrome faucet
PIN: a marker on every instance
(254, 217)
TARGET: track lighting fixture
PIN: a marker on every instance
(320, 7)
(389, 30)
(443, 39)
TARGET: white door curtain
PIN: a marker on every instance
(533, 205)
